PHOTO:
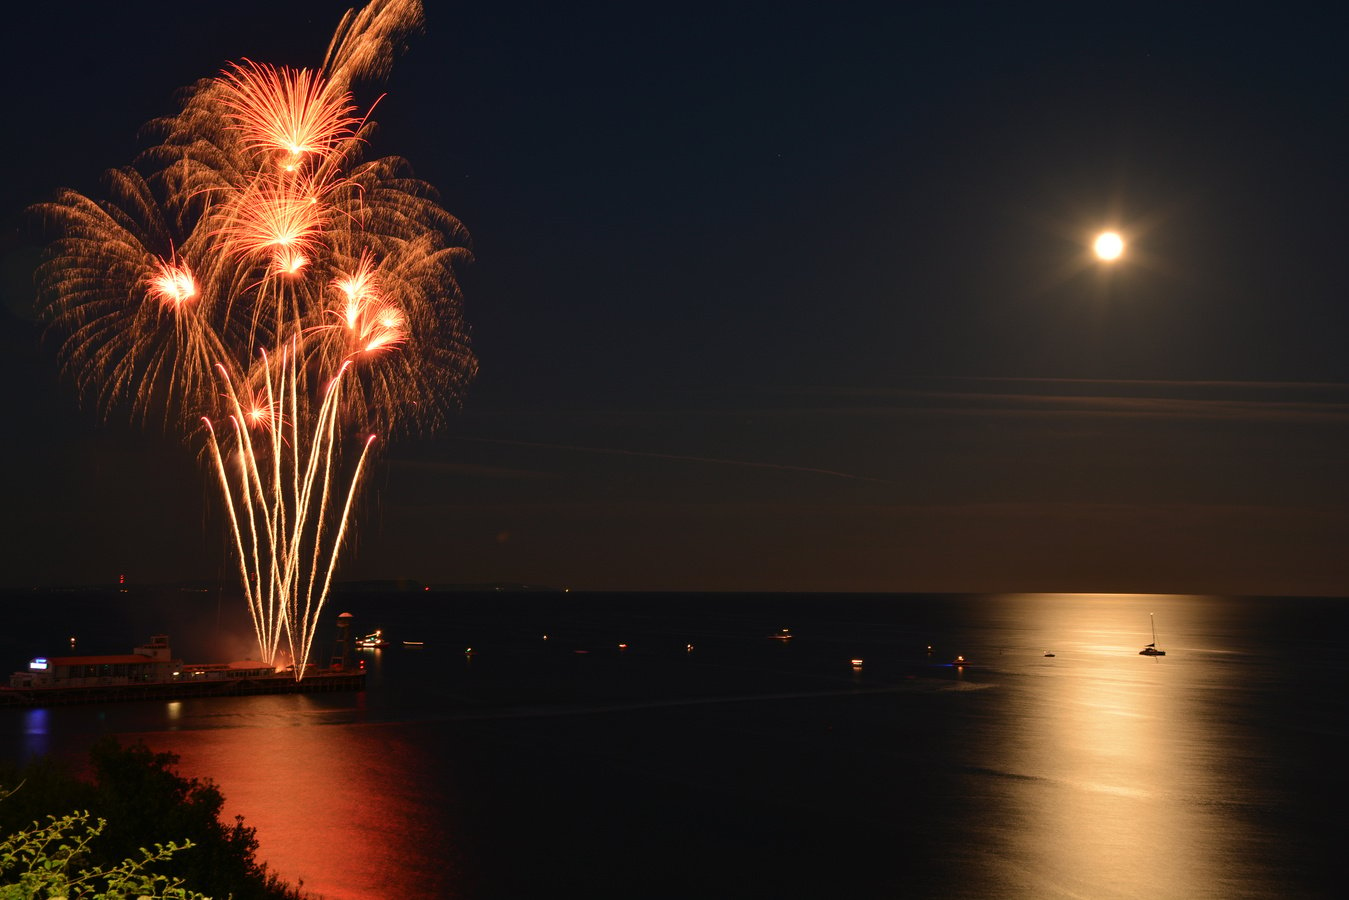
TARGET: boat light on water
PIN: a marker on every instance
(372, 641)
(960, 661)
(857, 663)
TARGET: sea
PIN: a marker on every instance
(540, 744)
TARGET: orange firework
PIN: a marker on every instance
(203, 288)
(286, 114)
(173, 284)
(282, 217)
(370, 323)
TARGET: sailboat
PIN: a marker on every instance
(1151, 649)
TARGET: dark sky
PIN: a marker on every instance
(778, 296)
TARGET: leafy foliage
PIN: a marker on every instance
(48, 861)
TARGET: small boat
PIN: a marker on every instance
(1151, 649)
(414, 643)
(1049, 653)
(372, 641)
(960, 661)
(783, 635)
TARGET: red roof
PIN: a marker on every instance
(119, 659)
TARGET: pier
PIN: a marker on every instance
(282, 683)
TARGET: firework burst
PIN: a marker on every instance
(254, 280)
(286, 115)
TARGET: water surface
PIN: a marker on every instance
(706, 759)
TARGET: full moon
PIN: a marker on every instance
(1109, 246)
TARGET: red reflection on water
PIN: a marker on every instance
(333, 806)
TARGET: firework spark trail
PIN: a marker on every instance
(258, 501)
(320, 458)
(310, 621)
(255, 610)
(251, 266)
(285, 522)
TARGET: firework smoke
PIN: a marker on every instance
(254, 279)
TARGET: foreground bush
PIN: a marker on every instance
(135, 800)
(48, 861)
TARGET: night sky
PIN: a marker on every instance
(781, 296)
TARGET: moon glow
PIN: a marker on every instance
(1109, 246)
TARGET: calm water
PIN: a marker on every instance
(748, 767)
